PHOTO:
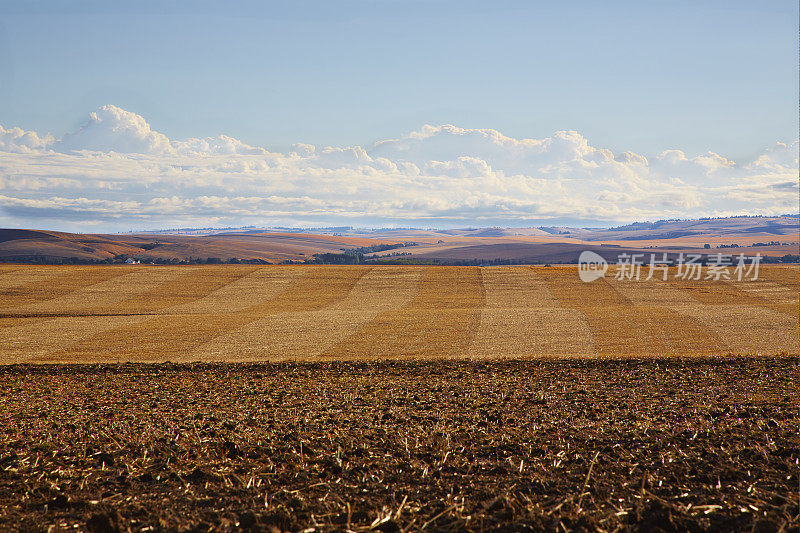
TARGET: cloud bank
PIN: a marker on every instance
(115, 172)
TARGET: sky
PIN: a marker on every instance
(141, 115)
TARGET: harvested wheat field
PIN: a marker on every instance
(395, 398)
(541, 445)
(255, 313)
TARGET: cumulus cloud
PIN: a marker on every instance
(116, 170)
(111, 129)
(16, 140)
(220, 145)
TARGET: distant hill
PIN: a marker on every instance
(775, 237)
(670, 229)
(22, 245)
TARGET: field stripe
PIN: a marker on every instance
(97, 298)
(619, 327)
(240, 294)
(188, 284)
(772, 295)
(439, 322)
(770, 291)
(30, 340)
(522, 318)
(685, 333)
(748, 330)
(19, 278)
(5, 270)
(310, 312)
(23, 276)
(725, 321)
(788, 276)
(726, 292)
(306, 334)
(514, 287)
(175, 336)
(716, 292)
(47, 287)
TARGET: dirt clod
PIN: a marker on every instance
(554, 445)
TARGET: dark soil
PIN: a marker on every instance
(633, 445)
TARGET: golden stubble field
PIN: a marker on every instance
(251, 313)
(628, 406)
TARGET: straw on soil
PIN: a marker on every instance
(636, 445)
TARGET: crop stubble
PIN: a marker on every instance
(249, 313)
(300, 335)
(521, 316)
(639, 443)
(621, 327)
(555, 445)
(172, 335)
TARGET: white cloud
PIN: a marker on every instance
(17, 140)
(116, 170)
(111, 129)
(780, 158)
(220, 145)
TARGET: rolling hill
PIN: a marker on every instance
(775, 237)
(50, 246)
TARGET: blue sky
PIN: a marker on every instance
(642, 76)
(117, 115)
